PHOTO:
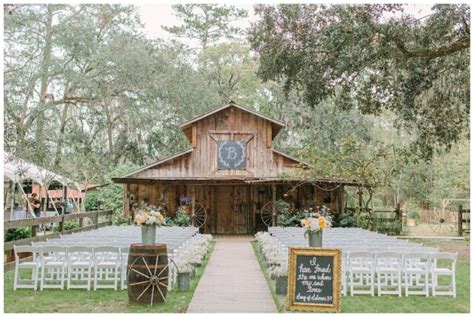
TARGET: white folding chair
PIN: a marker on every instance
(388, 270)
(361, 272)
(123, 266)
(33, 265)
(79, 267)
(443, 264)
(106, 267)
(53, 266)
(416, 268)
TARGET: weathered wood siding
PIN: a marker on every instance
(234, 209)
(228, 124)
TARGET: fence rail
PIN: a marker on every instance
(464, 217)
(35, 222)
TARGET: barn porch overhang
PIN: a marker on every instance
(237, 180)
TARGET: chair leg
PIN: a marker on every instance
(35, 278)
(351, 280)
(42, 278)
(406, 284)
(427, 290)
(379, 288)
(116, 277)
(399, 284)
(15, 282)
(453, 282)
(95, 278)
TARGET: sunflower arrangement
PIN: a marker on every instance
(316, 222)
(149, 215)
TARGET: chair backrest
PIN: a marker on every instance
(34, 250)
(416, 259)
(57, 252)
(80, 253)
(444, 256)
(106, 252)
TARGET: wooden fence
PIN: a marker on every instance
(35, 222)
(464, 221)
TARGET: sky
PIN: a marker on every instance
(156, 15)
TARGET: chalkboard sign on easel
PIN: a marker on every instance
(314, 279)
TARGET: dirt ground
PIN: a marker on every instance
(462, 247)
(426, 229)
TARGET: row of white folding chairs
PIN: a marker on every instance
(78, 266)
(390, 272)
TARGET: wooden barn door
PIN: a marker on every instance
(233, 209)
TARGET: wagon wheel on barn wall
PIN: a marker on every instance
(441, 221)
(151, 283)
(269, 212)
(200, 215)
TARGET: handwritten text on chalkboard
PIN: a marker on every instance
(314, 279)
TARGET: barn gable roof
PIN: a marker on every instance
(276, 124)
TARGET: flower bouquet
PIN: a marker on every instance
(149, 217)
(314, 226)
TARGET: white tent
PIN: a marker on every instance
(17, 170)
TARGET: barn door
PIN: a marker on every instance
(241, 209)
(233, 209)
(223, 202)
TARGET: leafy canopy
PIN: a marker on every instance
(374, 57)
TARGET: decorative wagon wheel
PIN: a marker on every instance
(270, 211)
(200, 215)
(441, 221)
(149, 280)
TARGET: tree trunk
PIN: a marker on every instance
(39, 134)
(60, 142)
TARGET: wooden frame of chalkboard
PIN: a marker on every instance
(314, 279)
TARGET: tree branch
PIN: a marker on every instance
(435, 52)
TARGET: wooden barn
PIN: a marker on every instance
(231, 175)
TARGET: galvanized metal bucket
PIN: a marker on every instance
(148, 234)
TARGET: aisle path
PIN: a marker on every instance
(232, 281)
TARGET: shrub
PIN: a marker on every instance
(347, 220)
(181, 219)
(68, 225)
(17, 234)
(287, 218)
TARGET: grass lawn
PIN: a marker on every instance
(100, 301)
(394, 304)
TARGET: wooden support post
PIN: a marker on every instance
(274, 215)
(460, 221)
(61, 225)
(96, 220)
(359, 209)
(253, 193)
(34, 230)
(81, 222)
(193, 205)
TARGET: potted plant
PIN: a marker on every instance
(184, 275)
(314, 226)
(149, 217)
(281, 278)
(412, 215)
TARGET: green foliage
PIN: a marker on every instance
(347, 220)
(413, 214)
(68, 225)
(371, 58)
(17, 234)
(92, 201)
(207, 23)
(288, 218)
(181, 218)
